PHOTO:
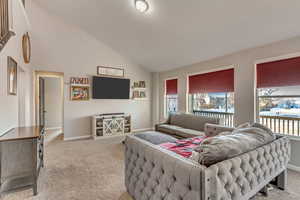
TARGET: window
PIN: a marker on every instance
(171, 96)
(213, 102)
(278, 92)
(212, 94)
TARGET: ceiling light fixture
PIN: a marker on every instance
(141, 5)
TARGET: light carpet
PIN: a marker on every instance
(94, 170)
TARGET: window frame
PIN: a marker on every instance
(165, 113)
(256, 90)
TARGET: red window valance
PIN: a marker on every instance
(279, 73)
(171, 87)
(219, 81)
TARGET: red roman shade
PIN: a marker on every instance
(171, 87)
(219, 81)
(279, 73)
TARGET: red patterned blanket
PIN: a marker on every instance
(183, 147)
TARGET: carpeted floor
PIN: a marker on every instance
(93, 170)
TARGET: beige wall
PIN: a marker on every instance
(244, 65)
(9, 105)
(61, 47)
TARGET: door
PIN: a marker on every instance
(42, 110)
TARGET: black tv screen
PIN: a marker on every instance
(110, 88)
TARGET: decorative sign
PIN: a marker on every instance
(79, 81)
(110, 71)
(79, 89)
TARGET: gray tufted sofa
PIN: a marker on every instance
(153, 173)
(181, 125)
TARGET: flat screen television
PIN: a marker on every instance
(110, 88)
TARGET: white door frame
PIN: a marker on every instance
(37, 75)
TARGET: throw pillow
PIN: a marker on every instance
(223, 147)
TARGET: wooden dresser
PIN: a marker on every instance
(21, 158)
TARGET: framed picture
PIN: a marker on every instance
(142, 84)
(136, 84)
(12, 76)
(142, 94)
(110, 71)
(80, 93)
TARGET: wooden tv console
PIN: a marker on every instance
(111, 124)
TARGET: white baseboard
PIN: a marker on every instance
(77, 138)
(142, 129)
(294, 167)
(89, 136)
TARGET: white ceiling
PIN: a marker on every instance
(181, 32)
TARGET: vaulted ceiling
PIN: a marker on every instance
(175, 33)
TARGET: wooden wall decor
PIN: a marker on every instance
(110, 72)
(26, 46)
(79, 89)
(139, 90)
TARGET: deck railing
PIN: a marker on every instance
(226, 119)
(281, 124)
(278, 124)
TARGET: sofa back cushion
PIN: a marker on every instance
(190, 121)
(223, 147)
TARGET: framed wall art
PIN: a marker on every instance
(79, 89)
(12, 76)
(110, 72)
(80, 93)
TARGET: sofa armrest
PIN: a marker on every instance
(214, 129)
(245, 175)
(152, 172)
(157, 125)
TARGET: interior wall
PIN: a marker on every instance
(53, 103)
(61, 47)
(155, 98)
(9, 104)
(244, 65)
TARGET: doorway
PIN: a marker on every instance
(49, 98)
